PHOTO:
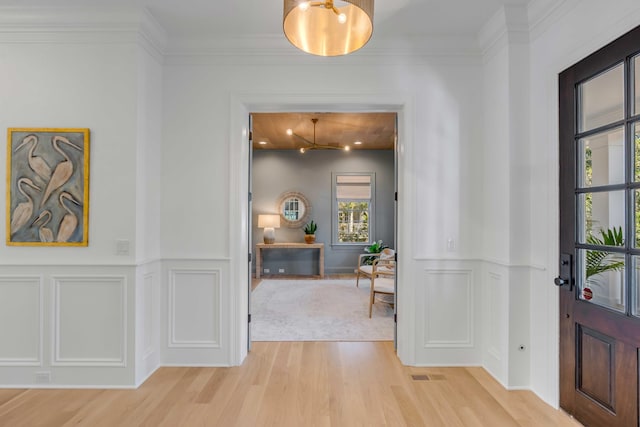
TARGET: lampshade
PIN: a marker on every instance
(268, 221)
(328, 28)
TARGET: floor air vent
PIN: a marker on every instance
(423, 377)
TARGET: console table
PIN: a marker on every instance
(297, 246)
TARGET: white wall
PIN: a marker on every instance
(78, 85)
(148, 195)
(69, 313)
(445, 125)
(84, 293)
(506, 204)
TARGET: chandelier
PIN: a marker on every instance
(328, 28)
(312, 145)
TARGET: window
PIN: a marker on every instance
(292, 209)
(353, 197)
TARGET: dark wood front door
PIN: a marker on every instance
(599, 274)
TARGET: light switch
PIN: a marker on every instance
(122, 247)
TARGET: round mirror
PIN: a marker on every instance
(294, 209)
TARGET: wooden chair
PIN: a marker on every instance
(382, 279)
(366, 270)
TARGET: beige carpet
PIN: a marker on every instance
(318, 310)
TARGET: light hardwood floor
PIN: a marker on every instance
(293, 384)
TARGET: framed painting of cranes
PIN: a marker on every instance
(47, 187)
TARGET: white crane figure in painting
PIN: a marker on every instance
(69, 221)
(46, 235)
(36, 163)
(22, 213)
(63, 170)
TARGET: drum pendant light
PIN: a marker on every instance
(328, 28)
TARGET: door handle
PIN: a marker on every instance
(566, 271)
(559, 281)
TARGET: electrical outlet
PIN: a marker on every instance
(451, 244)
(281, 270)
(266, 270)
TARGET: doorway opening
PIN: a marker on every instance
(333, 174)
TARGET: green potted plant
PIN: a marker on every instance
(310, 232)
(599, 261)
(374, 248)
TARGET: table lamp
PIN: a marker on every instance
(269, 223)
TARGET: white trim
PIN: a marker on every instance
(498, 262)
(517, 388)
(453, 365)
(218, 259)
(507, 264)
(83, 25)
(508, 25)
(544, 13)
(70, 386)
(56, 359)
(145, 378)
(272, 48)
(241, 103)
(79, 265)
(193, 365)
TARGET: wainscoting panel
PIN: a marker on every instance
(21, 321)
(449, 302)
(147, 319)
(149, 326)
(67, 326)
(506, 323)
(89, 321)
(448, 312)
(495, 357)
(495, 308)
(194, 308)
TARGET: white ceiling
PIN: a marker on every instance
(241, 18)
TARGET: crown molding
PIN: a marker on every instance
(509, 25)
(101, 25)
(273, 49)
(152, 36)
(543, 13)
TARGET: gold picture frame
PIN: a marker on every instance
(47, 187)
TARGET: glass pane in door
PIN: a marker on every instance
(635, 281)
(636, 85)
(601, 99)
(601, 217)
(602, 278)
(636, 150)
(602, 159)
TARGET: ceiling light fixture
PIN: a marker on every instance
(328, 28)
(312, 145)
